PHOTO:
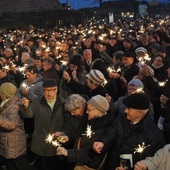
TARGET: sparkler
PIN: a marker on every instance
(162, 84)
(111, 69)
(50, 139)
(26, 86)
(88, 133)
(140, 149)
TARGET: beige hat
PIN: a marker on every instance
(100, 103)
(8, 89)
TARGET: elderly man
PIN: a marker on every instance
(48, 118)
(132, 136)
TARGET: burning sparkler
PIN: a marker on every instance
(50, 139)
(88, 133)
(27, 87)
(140, 149)
(162, 83)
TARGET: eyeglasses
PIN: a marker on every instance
(49, 90)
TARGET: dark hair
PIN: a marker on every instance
(32, 69)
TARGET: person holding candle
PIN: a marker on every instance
(129, 131)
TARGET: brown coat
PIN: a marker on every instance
(12, 134)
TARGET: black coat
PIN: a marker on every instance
(84, 154)
(122, 138)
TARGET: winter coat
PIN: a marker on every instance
(122, 137)
(35, 89)
(12, 133)
(84, 154)
(84, 89)
(160, 161)
(46, 122)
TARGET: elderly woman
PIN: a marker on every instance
(12, 134)
(75, 107)
(82, 154)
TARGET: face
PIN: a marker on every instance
(90, 84)
(126, 44)
(7, 53)
(93, 112)
(38, 63)
(50, 93)
(2, 74)
(158, 62)
(132, 114)
(31, 77)
(140, 54)
(46, 65)
(127, 61)
(144, 40)
(3, 97)
(131, 89)
(78, 112)
(88, 56)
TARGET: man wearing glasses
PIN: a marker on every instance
(48, 118)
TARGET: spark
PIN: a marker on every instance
(50, 139)
(140, 148)
(88, 133)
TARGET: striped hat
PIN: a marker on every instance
(96, 77)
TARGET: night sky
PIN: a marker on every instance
(77, 4)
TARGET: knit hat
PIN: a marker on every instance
(76, 60)
(8, 89)
(129, 54)
(96, 76)
(100, 103)
(136, 82)
(140, 49)
(137, 101)
(49, 83)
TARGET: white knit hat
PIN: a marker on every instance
(96, 76)
(142, 49)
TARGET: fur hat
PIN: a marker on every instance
(137, 101)
(96, 76)
(100, 103)
(136, 82)
(49, 83)
(142, 49)
(8, 89)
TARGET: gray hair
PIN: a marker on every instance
(74, 102)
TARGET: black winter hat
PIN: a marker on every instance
(76, 60)
(137, 101)
(50, 83)
(129, 54)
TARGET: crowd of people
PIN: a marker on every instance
(87, 97)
